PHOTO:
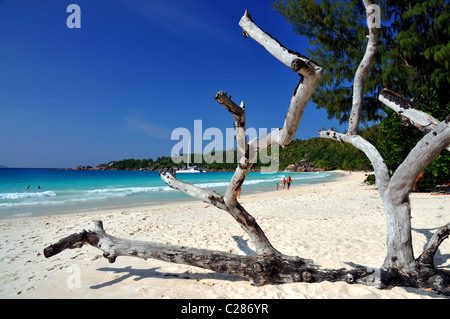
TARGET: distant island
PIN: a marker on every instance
(3, 166)
(310, 155)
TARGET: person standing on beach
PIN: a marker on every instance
(283, 182)
(289, 180)
(277, 186)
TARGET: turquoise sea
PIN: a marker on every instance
(58, 191)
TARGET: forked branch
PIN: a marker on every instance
(310, 74)
(394, 191)
(268, 265)
(352, 136)
(244, 219)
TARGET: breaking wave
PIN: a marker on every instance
(27, 195)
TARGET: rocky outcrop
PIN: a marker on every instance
(99, 167)
(302, 166)
(82, 168)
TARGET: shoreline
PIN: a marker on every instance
(337, 224)
(52, 212)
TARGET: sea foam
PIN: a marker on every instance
(27, 195)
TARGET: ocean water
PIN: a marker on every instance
(53, 190)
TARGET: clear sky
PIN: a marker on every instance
(136, 70)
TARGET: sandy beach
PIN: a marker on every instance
(336, 224)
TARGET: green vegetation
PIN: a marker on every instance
(161, 163)
(323, 154)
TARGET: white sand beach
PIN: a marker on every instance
(336, 224)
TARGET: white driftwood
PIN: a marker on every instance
(245, 159)
(259, 269)
(310, 74)
(352, 137)
(307, 69)
(394, 191)
(408, 112)
(269, 265)
(380, 169)
(255, 268)
(244, 219)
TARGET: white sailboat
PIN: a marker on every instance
(190, 169)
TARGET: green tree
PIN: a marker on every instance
(414, 48)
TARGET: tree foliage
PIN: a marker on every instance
(324, 154)
(414, 47)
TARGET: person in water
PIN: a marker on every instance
(289, 180)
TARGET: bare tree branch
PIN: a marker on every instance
(245, 163)
(292, 59)
(394, 191)
(260, 269)
(307, 69)
(417, 160)
(310, 73)
(250, 267)
(361, 74)
(380, 169)
(408, 111)
(352, 137)
(197, 192)
(244, 219)
(248, 151)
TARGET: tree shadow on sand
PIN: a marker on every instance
(139, 274)
(440, 260)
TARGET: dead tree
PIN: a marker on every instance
(269, 265)
(394, 191)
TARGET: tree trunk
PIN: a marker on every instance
(400, 253)
(394, 192)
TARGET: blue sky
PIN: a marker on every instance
(136, 70)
